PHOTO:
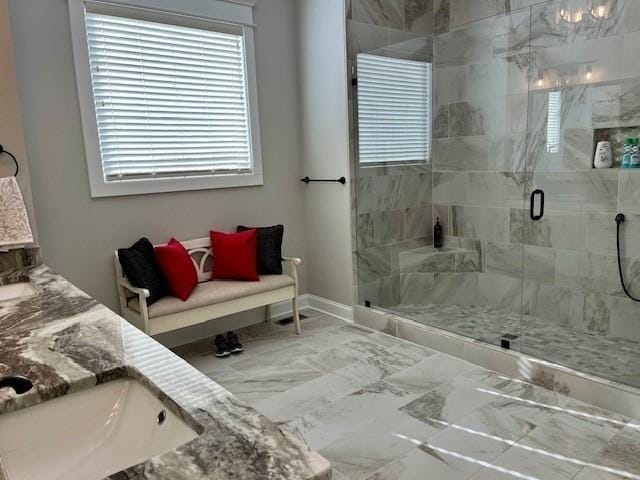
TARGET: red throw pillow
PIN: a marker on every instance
(235, 255)
(178, 268)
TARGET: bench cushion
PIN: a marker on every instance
(215, 291)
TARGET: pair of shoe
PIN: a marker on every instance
(225, 346)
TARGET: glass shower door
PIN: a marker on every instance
(583, 89)
(473, 181)
(479, 180)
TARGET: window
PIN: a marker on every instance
(170, 102)
(394, 110)
(553, 122)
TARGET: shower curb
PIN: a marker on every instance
(607, 394)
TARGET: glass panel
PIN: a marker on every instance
(392, 194)
(585, 87)
(474, 188)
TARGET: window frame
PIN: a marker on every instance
(99, 186)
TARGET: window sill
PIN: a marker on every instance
(100, 188)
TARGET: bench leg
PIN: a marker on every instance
(267, 314)
(296, 315)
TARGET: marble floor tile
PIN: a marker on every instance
(223, 375)
(323, 339)
(531, 404)
(383, 339)
(589, 473)
(207, 362)
(464, 450)
(383, 408)
(429, 373)
(326, 424)
(581, 409)
(519, 463)
(362, 452)
(493, 423)
(387, 360)
(495, 381)
(257, 384)
(333, 359)
(324, 390)
(281, 356)
(449, 402)
(622, 454)
(316, 321)
(571, 436)
(307, 397)
(414, 351)
(415, 465)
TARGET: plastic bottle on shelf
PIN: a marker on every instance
(603, 157)
(626, 152)
(635, 154)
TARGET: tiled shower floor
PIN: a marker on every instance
(380, 408)
(616, 359)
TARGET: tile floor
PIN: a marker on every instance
(616, 359)
(380, 408)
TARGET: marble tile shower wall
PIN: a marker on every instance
(392, 205)
(491, 150)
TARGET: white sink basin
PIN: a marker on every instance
(88, 435)
(14, 291)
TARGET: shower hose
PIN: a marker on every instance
(619, 221)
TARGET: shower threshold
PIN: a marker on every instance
(600, 370)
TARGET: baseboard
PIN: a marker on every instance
(283, 309)
(324, 305)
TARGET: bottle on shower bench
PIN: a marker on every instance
(437, 234)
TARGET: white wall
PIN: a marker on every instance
(325, 146)
(11, 136)
(78, 233)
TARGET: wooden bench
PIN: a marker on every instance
(211, 299)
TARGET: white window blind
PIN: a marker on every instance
(170, 101)
(394, 110)
(553, 122)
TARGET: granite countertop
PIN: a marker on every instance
(64, 341)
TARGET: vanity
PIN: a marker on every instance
(107, 401)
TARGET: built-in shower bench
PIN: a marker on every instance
(428, 259)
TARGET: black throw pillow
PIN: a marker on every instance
(269, 248)
(139, 265)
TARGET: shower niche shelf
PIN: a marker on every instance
(616, 135)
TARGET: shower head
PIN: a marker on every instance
(619, 218)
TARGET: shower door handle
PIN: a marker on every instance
(532, 209)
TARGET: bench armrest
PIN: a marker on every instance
(138, 291)
(292, 260)
(293, 266)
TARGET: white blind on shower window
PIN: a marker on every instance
(170, 101)
(394, 110)
(554, 108)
